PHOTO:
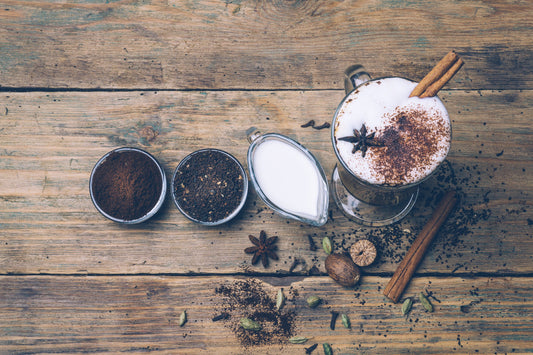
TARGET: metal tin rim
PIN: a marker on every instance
(243, 196)
(159, 202)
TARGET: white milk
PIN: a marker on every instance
(288, 177)
(379, 105)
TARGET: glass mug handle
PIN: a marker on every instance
(354, 76)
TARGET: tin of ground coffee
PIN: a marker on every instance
(128, 185)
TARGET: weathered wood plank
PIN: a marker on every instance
(40, 314)
(50, 142)
(211, 44)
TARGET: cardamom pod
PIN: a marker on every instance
(249, 324)
(425, 302)
(327, 349)
(280, 299)
(345, 321)
(406, 306)
(298, 340)
(326, 245)
(313, 301)
(183, 318)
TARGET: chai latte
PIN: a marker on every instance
(415, 133)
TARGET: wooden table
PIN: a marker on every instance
(78, 79)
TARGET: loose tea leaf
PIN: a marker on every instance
(313, 301)
(346, 321)
(311, 123)
(333, 320)
(406, 306)
(298, 340)
(183, 318)
(310, 349)
(322, 126)
(327, 349)
(280, 299)
(220, 317)
(425, 302)
(326, 245)
(249, 324)
(208, 185)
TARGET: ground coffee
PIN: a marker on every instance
(208, 185)
(127, 185)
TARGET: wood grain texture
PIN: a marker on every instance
(51, 140)
(40, 314)
(211, 44)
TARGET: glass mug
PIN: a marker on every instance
(362, 192)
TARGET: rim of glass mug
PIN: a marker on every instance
(343, 163)
(243, 196)
(159, 202)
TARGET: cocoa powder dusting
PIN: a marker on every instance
(411, 142)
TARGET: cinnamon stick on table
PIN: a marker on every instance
(438, 76)
(414, 256)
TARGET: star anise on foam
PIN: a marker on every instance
(263, 248)
(362, 140)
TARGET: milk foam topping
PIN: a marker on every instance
(416, 133)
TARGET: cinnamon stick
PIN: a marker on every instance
(414, 256)
(434, 88)
(438, 76)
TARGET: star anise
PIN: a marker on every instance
(263, 248)
(362, 140)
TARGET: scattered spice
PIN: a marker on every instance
(310, 349)
(346, 321)
(248, 299)
(362, 140)
(183, 318)
(220, 317)
(322, 126)
(466, 308)
(406, 306)
(341, 268)
(263, 249)
(298, 340)
(312, 244)
(425, 302)
(327, 349)
(311, 123)
(363, 252)
(208, 185)
(333, 320)
(326, 245)
(249, 324)
(294, 264)
(280, 299)
(313, 301)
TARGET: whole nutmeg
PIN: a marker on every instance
(363, 252)
(342, 269)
